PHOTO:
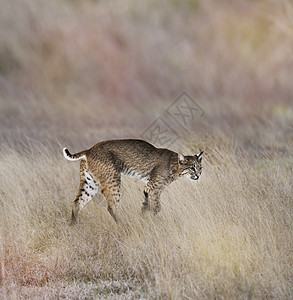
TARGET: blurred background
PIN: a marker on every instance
(73, 73)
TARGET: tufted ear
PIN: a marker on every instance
(198, 156)
(181, 158)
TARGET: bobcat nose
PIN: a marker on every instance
(194, 177)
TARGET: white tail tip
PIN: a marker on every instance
(71, 157)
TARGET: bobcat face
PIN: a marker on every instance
(190, 166)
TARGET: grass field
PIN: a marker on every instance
(75, 73)
(229, 235)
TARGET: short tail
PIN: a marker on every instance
(74, 157)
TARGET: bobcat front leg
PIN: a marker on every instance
(152, 193)
(145, 204)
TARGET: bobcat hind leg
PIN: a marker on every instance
(87, 189)
(111, 191)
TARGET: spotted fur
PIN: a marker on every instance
(101, 167)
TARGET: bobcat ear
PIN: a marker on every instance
(198, 156)
(181, 158)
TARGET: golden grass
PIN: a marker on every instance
(228, 235)
(73, 73)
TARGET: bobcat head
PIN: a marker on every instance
(190, 165)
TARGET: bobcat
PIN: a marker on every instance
(102, 165)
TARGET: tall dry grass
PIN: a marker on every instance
(229, 235)
(73, 73)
